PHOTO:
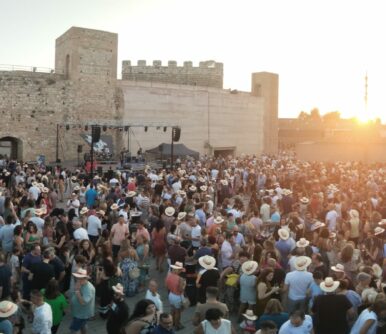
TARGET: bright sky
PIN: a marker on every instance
(320, 49)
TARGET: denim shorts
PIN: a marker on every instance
(176, 300)
(77, 324)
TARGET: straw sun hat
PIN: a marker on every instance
(302, 262)
(7, 308)
(329, 285)
(207, 262)
(81, 273)
(249, 267)
(169, 211)
(283, 234)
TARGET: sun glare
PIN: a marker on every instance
(363, 119)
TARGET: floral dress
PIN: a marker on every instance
(144, 264)
(130, 285)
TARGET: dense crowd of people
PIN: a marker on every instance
(254, 244)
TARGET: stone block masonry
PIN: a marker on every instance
(207, 74)
(84, 89)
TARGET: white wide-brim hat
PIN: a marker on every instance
(169, 211)
(131, 194)
(7, 308)
(377, 270)
(193, 188)
(207, 262)
(317, 225)
(81, 273)
(303, 242)
(250, 315)
(329, 285)
(249, 267)
(224, 182)
(302, 262)
(181, 215)
(378, 230)
(177, 265)
(203, 188)
(115, 206)
(283, 234)
(218, 220)
(304, 200)
(118, 289)
(83, 211)
(338, 268)
(353, 213)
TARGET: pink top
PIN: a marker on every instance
(173, 283)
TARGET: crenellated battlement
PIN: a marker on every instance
(208, 73)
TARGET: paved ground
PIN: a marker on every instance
(97, 326)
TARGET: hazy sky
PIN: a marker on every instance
(320, 49)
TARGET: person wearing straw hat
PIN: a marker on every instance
(296, 284)
(119, 311)
(7, 309)
(82, 301)
(176, 286)
(248, 325)
(208, 276)
(331, 310)
(248, 286)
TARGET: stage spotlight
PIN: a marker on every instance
(67, 127)
(145, 128)
(165, 128)
(104, 127)
(86, 128)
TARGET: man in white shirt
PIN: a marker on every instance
(73, 203)
(42, 322)
(195, 233)
(94, 226)
(80, 233)
(227, 251)
(34, 191)
(298, 323)
(331, 218)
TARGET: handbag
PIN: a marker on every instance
(232, 280)
(134, 273)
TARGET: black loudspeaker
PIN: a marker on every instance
(100, 170)
(176, 134)
(80, 148)
(96, 133)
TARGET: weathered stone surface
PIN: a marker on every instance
(84, 89)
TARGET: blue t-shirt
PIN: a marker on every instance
(248, 289)
(86, 310)
(6, 327)
(315, 291)
(91, 196)
(278, 318)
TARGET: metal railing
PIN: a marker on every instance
(5, 67)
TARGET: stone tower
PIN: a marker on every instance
(266, 85)
(87, 53)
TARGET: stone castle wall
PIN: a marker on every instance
(207, 74)
(210, 119)
(84, 90)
